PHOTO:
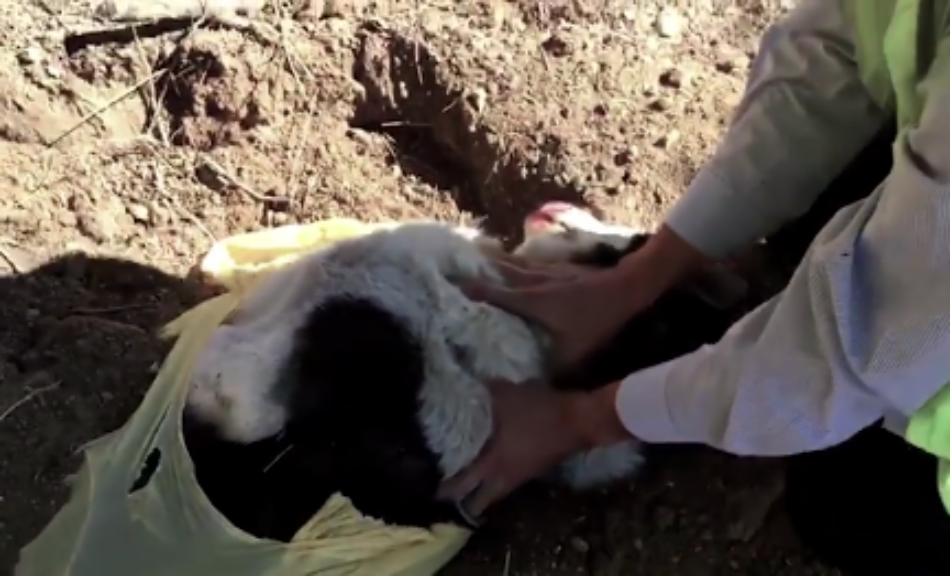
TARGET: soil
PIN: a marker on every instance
(121, 163)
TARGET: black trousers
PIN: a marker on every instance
(869, 506)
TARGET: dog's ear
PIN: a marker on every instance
(717, 286)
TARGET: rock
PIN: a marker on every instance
(661, 104)
(557, 46)
(669, 23)
(580, 545)
(139, 213)
(626, 157)
(310, 10)
(733, 63)
(339, 8)
(669, 139)
(30, 55)
(135, 10)
(672, 78)
(92, 221)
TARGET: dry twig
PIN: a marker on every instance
(207, 166)
(105, 107)
(29, 396)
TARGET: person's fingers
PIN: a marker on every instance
(477, 502)
(519, 277)
(565, 272)
(464, 483)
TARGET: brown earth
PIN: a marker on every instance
(147, 151)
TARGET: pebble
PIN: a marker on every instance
(669, 139)
(626, 157)
(139, 213)
(557, 46)
(672, 78)
(669, 23)
(661, 104)
(98, 226)
(732, 64)
(30, 55)
(580, 545)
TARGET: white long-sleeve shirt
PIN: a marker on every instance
(862, 331)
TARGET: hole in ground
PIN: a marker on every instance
(417, 153)
(406, 85)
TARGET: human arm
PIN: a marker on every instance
(804, 115)
(861, 333)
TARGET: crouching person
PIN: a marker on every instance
(843, 132)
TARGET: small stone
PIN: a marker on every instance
(30, 55)
(343, 8)
(669, 139)
(98, 227)
(580, 545)
(557, 46)
(310, 10)
(54, 71)
(669, 23)
(92, 221)
(360, 136)
(661, 104)
(139, 213)
(672, 78)
(626, 157)
(732, 64)
(281, 218)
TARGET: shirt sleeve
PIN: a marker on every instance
(861, 332)
(804, 115)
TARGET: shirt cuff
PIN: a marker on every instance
(712, 218)
(641, 405)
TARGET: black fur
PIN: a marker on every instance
(353, 389)
(676, 324)
(354, 433)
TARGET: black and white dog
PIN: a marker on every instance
(359, 369)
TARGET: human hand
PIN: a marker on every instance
(535, 428)
(581, 307)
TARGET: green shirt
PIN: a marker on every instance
(898, 43)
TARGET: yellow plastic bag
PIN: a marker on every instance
(168, 528)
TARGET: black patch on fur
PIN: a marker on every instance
(606, 256)
(359, 373)
(353, 389)
(257, 486)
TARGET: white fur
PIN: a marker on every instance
(412, 271)
(571, 233)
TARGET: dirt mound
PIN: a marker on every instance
(148, 148)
